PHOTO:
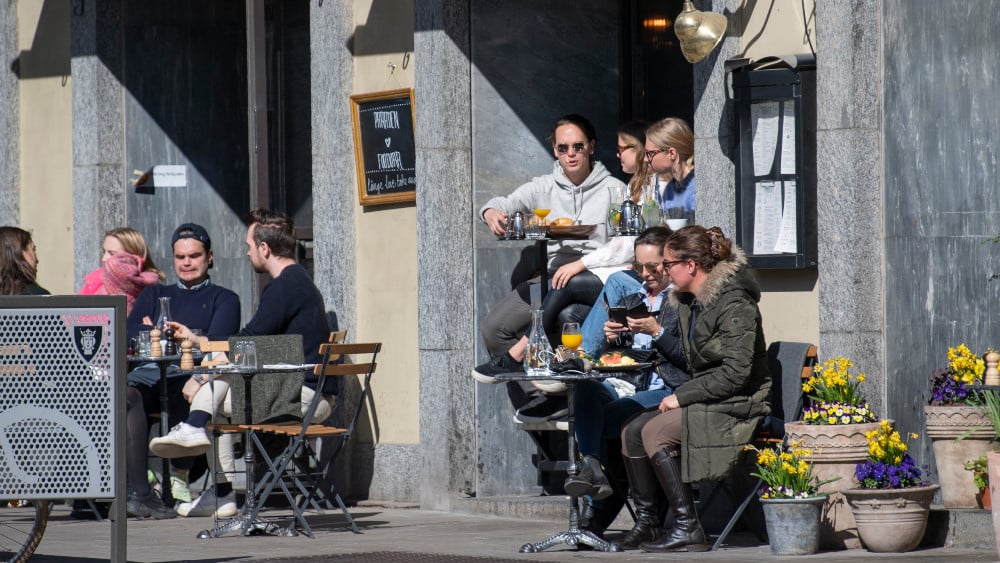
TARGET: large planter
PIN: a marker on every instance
(945, 425)
(891, 520)
(993, 463)
(837, 449)
(793, 524)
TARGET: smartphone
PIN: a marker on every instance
(618, 314)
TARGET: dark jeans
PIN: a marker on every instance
(600, 413)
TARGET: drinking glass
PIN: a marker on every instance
(541, 213)
(142, 343)
(239, 352)
(571, 336)
(250, 354)
(536, 228)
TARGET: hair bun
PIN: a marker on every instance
(722, 248)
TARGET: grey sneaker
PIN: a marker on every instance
(208, 504)
(149, 506)
(183, 440)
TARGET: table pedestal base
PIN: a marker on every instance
(572, 537)
(244, 525)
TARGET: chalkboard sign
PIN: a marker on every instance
(384, 146)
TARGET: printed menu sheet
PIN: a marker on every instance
(774, 230)
(764, 129)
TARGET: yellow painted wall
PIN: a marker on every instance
(777, 27)
(789, 304)
(387, 241)
(46, 138)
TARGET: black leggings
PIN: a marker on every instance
(140, 400)
(583, 289)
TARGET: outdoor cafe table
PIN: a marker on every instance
(246, 522)
(163, 363)
(574, 535)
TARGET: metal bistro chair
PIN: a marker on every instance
(291, 469)
(791, 363)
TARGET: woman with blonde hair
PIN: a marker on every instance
(18, 263)
(126, 267)
(670, 153)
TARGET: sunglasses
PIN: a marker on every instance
(651, 154)
(577, 148)
(671, 263)
(649, 267)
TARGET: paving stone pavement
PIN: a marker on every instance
(393, 534)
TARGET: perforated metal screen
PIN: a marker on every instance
(57, 367)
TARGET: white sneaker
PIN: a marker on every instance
(208, 504)
(183, 440)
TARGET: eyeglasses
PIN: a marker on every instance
(651, 154)
(671, 263)
(577, 148)
(649, 267)
(622, 149)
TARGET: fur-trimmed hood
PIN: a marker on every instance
(727, 275)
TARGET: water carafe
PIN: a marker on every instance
(538, 354)
(162, 324)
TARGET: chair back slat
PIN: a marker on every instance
(354, 348)
(333, 370)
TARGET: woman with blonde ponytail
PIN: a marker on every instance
(670, 154)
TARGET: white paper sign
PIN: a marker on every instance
(170, 176)
(788, 139)
(787, 236)
(767, 214)
(764, 125)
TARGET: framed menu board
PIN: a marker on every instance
(384, 146)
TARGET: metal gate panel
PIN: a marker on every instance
(59, 365)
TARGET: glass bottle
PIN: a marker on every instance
(538, 353)
(162, 324)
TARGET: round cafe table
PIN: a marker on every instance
(573, 535)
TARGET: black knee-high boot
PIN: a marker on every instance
(687, 533)
(649, 502)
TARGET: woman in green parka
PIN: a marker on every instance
(699, 431)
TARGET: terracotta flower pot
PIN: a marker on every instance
(837, 449)
(945, 425)
(891, 520)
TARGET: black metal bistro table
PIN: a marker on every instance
(573, 535)
(246, 521)
(163, 363)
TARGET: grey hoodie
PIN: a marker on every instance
(587, 203)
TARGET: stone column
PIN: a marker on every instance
(715, 136)
(9, 117)
(848, 180)
(444, 237)
(334, 202)
(98, 150)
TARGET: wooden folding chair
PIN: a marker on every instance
(291, 471)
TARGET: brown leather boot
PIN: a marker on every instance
(687, 533)
(649, 503)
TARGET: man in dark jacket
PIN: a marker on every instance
(290, 304)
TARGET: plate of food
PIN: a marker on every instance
(563, 227)
(619, 362)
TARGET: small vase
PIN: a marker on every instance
(793, 524)
(891, 520)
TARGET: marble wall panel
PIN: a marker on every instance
(9, 121)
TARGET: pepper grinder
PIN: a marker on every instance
(187, 359)
(992, 359)
(155, 350)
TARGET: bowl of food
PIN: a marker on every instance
(563, 227)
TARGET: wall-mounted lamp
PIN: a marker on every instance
(699, 32)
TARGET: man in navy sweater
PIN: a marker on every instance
(290, 304)
(199, 304)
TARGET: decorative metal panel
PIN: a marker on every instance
(57, 402)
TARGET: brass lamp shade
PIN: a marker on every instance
(699, 32)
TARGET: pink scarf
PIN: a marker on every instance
(121, 275)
